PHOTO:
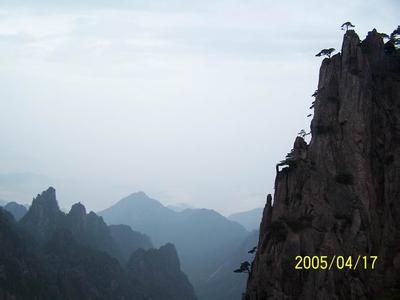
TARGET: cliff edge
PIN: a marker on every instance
(339, 194)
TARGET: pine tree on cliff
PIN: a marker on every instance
(395, 36)
(347, 25)
(325, 52)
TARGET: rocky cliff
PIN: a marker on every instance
(339, 194)
(159, 271)
(43, 216)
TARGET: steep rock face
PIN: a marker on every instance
(73, 271)
(339, 195)
(43, 216)
(18, 265)
(159, 271)
(90, 230)
(61, 269)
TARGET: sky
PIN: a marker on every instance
(189, 101)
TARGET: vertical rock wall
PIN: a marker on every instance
(340, 195)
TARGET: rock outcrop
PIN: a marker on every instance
(90, 230)
(43, 216)
(340, 193)
(159, 271)
(128, 240)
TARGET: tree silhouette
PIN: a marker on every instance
(288, 161)
(303, 133)
(244, 268)
(252, 250)
(384, 36)
(347, 25)
(395, 36)
(315, 94)
(326, 52)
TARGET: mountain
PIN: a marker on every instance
(59, 268)
(250, 219)
(73, 271)
(224, 284)
(128, 240)
(50, 255)
(339, 194)
(159, 271)
(90, 230)
(17, 210)
(142, 214)
(44, 216)
(179, 207)
(202, 237)
(19, 264)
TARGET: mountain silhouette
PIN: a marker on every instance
(52, 255)
(250, 219)
(203, 238)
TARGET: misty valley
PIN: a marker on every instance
(188, 254)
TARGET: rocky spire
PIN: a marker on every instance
(342, 197)
(43, 216)
(78, 210)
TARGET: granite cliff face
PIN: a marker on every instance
(339, 194)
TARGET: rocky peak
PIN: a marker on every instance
(168, 251)
(78, 210)
(165, 257)
(342, 199)
(43, 215)
(76, 220)
(159, 269)
(300, 148)
(128, 240)
(46, 201)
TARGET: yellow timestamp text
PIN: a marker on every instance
(337, 262)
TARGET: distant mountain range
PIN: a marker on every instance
(224, 284)
(17, 210)
(52, 255)
(209, 245)
(204, 239)
(250, 219)
(179, 207)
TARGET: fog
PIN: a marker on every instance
(190, 102)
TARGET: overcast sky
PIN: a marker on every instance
(188, 101)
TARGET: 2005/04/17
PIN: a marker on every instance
(336, 262)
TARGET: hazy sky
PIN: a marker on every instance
(189, 101)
